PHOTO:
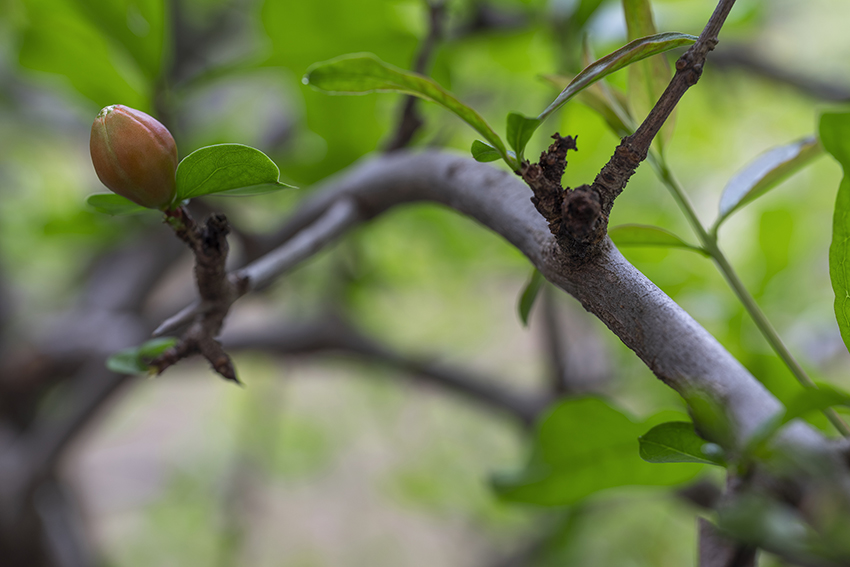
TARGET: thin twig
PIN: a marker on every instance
(336, 221)
(341, 216)
(633, 149)
(578, 218)
(409, 118)
(216, 290)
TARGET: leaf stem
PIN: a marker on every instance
(709, 244)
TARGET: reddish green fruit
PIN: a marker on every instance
(134, 156)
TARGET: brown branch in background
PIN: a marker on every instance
(330, 334)
(64, 525)
(409, 119)
(578, 218)
(556, 350)
(715, 550)
(216, 290)
(742, 58)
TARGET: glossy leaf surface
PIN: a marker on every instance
(764, 173)
(648, 78)
(484, 152)
(519, 131)
(677, 442)
(363, 73)
(227, 169)
(629, 53)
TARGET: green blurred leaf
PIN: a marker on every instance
(760, 521)
(529, 294)
(519, 131)
(677, 442)
(137, 25)
(764, 173)
(227, 169)
(714, 423)
(157, 346)
(835, 137)
(126, 362)
(649, 78)
(808, 401)
(631, 52)
(583, 446)
(134, 360)
(363, 73)
(812, 400)
(115, 205)
(645, 235)
(583, 12)
(60, 40)
(484, 152)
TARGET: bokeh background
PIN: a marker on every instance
(325, 459)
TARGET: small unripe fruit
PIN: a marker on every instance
(134, 156)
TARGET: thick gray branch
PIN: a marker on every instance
(674, 346)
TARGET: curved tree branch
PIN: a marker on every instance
(674, 346)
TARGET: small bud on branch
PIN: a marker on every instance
(134, 156)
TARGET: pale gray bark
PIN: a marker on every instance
(674, 346)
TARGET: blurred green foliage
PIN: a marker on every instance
(423, 279)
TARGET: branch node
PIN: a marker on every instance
(208, 243)
(581, 212)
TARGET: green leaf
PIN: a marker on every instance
(253, 190)
(645, 235)
(760, 521)
(600, 97)
(529, 294)
(484, 152)
(631, 52)
(583, 12)
(134, 360)
(649, 78)
(764, 173)
(519, 131)
(362, 73)
(126, 362)
(806, 402)
(226, 168)
(583, 446)
(677, 442)
(60, 40)
(155, 347)
(136, 25)
(615, 116)
(835, 137)
(112, 204)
